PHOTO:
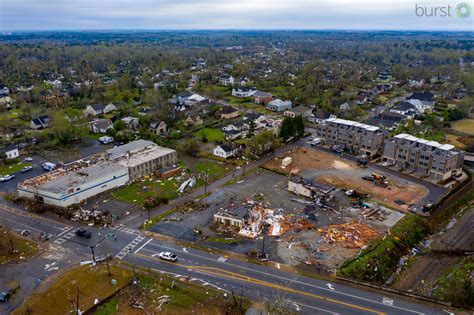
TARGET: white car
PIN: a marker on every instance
(6, 178)
(168, 256)
(28, 159)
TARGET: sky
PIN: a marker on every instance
(235, 14)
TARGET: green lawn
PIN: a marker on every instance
(139, 191)
(212, 135)
(93, 283)
(10, 169)
(215, 170)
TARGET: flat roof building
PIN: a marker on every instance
(361, 138)
(429, 158)
(77, 181)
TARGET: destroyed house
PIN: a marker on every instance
(307, 187)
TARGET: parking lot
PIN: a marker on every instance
(89, 147)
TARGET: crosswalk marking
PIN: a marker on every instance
(128, 230)
(64, 237)
(129, 247)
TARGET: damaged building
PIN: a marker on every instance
(308, 187)
(77, 181)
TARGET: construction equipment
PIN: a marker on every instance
(380, 180)
(378, 176)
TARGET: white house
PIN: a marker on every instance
(226, 150)
(10, 152)
(94, 109)
(100, 126)
(226, 80)
(4, 90)
(110, 108)
(243, 92)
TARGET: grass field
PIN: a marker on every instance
(22, 248)
(10, 169)
(453, 139)
(93, 283)
(212, 135)
(214, 169)
(184, 298)
(147, 187)
(464, 125)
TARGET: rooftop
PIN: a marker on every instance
(353, 124)
(445, 147)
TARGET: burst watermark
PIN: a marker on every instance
(461, 10)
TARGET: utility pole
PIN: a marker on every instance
(77, 301)
(206, 179)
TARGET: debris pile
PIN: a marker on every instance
(191, 206)
(350, 235)
(83, 215)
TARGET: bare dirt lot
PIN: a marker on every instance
(330, 169)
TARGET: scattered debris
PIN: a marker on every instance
(350, 235)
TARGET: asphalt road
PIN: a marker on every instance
(303, 294)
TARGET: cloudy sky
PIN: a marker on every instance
(229, 14)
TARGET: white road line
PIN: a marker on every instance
(145, 244)
(295, 281)
(310, 306)
(64, 232)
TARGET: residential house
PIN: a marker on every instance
(110, 108)
(262, 97)
(131, 122)
(404, 108)
(427, 158)
(345, 106)
(226, 150)
(94, 109)
(422, 101)
(227, 112)
(40, 122)
(158, 127)
(193, 122)
(243, 81)
(243, 91)
(278, 105)
(416, 83)
(226, 80)
(387, 120)
(10, 152)
(101, 126)
(10, 132)
(319, 115)
(301, 110)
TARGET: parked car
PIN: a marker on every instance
(83, 233)
(386, 164)
(168, 256)
(28, 159)
(106, 140)
(7, 178)
(26, 169)
(4, 296)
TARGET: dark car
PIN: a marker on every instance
(83, 233)
(4, 296)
